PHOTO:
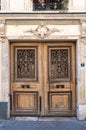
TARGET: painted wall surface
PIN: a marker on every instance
(17, 5)
(27, 5)
(79, 5)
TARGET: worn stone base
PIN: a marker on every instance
(81, 113)
(3, 110)
(44, 118)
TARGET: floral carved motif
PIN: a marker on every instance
(59, 63)
(42, 31)
(25, 64)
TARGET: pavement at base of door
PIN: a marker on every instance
(42, 123)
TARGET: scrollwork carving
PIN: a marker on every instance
(59, 63)
(83, 31)
(42, 31)
(83, 40)
(2, 27)
(3, 39)
(25, 67)
(83, 27)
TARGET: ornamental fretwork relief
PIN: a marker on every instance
(41, 31)
(25, 63)
(59, 63)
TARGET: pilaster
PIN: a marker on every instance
(81, 77)
(4, 74)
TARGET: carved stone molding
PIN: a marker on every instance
(3, 39)
(41, 31)
(83, 40)
(83, 27)
(2, 28)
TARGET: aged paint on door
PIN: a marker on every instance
(43, 79)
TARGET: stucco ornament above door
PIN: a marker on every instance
(42, 31)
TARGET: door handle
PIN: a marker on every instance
(10, 101)
(40, 103)
(59, 86)
(25, 86)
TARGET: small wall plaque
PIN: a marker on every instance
(82, 65)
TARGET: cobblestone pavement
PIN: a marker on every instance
(42, 124)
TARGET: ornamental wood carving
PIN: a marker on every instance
(25, 63)
(59, 63)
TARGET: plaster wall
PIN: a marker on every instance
(27, 6)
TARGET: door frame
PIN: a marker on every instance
(51, 43)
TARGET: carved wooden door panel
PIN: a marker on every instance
(60, 79)
(26, 79)
(43, 79)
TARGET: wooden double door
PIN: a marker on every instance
(42, 79)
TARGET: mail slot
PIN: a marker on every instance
(25, 86)
(59, 86)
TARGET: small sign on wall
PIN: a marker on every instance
(82, 64)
